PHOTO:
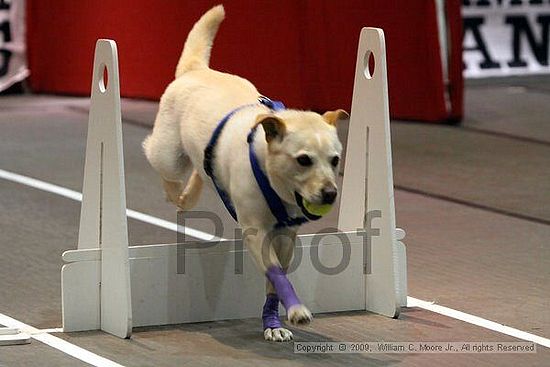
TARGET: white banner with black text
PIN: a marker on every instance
(13, 61)
(505, 37)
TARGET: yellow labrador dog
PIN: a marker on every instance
(265, 161)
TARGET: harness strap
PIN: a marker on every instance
(209, 159)
(272, 105)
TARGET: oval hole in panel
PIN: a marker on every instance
(104, 79)
(369, 64)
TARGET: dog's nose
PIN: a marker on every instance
(329, 195)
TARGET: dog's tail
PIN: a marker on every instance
(196, 52)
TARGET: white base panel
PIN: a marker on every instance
(209, 289)
(13, 336)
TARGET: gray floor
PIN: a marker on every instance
(474, 200)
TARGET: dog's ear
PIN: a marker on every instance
(273, 126)
(332, 117)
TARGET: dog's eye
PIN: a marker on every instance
(304, 160)
(335, 160)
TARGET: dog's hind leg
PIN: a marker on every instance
(166, 154)
(172, 189)
(189, 197)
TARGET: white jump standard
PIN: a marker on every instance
(110, 286)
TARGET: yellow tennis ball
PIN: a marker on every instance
(317, 209)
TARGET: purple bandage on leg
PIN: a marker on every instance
(284, 289)
(270, 314)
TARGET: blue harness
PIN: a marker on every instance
(276, 205)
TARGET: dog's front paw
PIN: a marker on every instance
(299, 314)
(278, 334)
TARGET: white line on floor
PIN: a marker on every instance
(476, 320)
(411, 301)
(52, 330)
(77, 196)
(58, 343)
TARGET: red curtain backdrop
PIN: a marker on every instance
(301, 52)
